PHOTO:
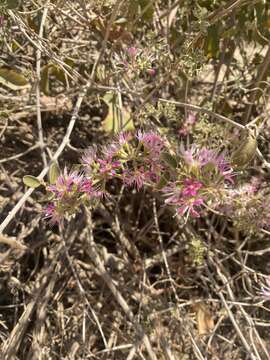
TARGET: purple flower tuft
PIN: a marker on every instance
(185, 197)
(51, 213)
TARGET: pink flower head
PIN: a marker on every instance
(108, 167)
(132, 52)
(189, 155)
(124, 137)
(68, 191)
(206, 157)
(194, 155)
(191, 119)
(151, 72)
(111, 151)
(189, 207)
(87, 187)
(89, 157)
(50, 212)
(151, 141)
(186, 198)
(225, 169)
(115, 147)
(67, 183)
(191, 187)
(208, 161)
(136, 177)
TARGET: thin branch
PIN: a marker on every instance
(203, 110)
(17, 156)
(38, 61)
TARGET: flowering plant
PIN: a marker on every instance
(192, 180)
(188, 179)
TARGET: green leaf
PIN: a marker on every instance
(31, 181)
(4, 114)
(246, 151)
(212, 42)
(12, 79)
(117, 119)
(54, 173)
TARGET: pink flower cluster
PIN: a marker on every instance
(201, 175)
(147, 165)
(186, 197)
(138, 160)
(135, 160)
(204, 162)
(248, 205)
(68, 183)
(66, 195)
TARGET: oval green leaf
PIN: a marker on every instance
(31, 181)
(117, 119)
(54, 173)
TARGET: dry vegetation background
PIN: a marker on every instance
(128, 280)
